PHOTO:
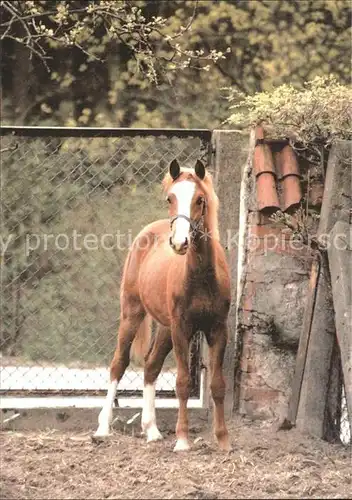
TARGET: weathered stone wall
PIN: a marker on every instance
(270, 319)
(270, 315)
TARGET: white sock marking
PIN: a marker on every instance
(148, 414)
(182, 445)
(105, 416)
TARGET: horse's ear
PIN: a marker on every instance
(200, 169)
(174, 169)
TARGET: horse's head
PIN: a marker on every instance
(187, 201)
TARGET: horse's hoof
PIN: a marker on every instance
(226, 446)
(182, 445)
(153, 434)
(96, 439)
(100, 435)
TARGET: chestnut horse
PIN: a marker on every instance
(175, 273)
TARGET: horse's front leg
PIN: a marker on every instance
(153, 365)
(181, 346)
(128, 327)
(217, 344)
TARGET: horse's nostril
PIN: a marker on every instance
(170, 241)
(186, 242)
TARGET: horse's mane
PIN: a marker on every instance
(206, 185)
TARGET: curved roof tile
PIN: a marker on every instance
(267, 171)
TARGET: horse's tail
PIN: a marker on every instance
(141, 343)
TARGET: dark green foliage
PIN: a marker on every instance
(99, 77)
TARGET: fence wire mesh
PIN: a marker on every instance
(345, 430)
(70, 209)
(337, 422)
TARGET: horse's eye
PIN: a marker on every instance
(200, 200)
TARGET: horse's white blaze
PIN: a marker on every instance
(182, 445)
(105, 416)
(184, 192)
(148, 414)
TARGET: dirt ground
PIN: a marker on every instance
(263, 464)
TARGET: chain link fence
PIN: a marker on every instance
(72, 202)
(345, 431)
(337, 422)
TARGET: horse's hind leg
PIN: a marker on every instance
(154, 361)
(131, 320)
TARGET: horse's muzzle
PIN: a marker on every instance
(179, 247)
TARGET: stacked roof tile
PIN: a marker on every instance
(277, 177)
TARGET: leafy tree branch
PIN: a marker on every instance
(37, 26)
